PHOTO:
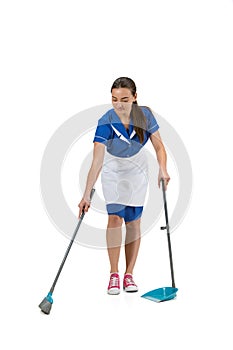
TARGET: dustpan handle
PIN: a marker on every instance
(168, 233)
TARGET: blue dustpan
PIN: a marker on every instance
(164, 293)
(161, 294)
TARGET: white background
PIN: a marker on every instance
(59, 58)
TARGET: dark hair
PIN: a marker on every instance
(138, 117)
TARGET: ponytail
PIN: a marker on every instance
(139, 121)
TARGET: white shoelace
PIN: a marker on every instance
(130, 280)
(113, 281)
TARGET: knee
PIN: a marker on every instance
(114, 221)
(133, 225)
(133, 230)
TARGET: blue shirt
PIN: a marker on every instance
(120, 142)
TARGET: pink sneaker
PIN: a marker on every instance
(128, 283)
(114, 284)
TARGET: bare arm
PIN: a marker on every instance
(96, 166)
(161, 157)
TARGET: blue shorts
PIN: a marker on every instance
(126, 212)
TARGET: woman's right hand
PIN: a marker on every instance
(84, 205)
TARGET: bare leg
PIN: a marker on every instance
(132, 244)
(114, 237)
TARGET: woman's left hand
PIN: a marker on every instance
(165, 176)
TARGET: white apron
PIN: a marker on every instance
(125, 180)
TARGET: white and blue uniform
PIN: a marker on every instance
(124, 174)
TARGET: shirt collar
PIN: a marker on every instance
(117, 123)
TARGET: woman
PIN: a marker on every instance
(118, 150)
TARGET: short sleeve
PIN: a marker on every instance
(152, 125)
(103, 131)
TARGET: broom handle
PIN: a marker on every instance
(168, 234)
(69, 246)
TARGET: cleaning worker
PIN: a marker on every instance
(119, 155)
